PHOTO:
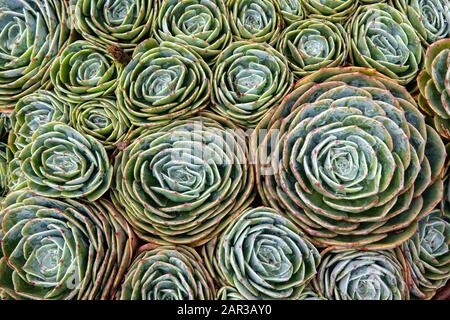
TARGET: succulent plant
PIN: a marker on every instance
(249, 79)
(229, 293)
(167, 273)
(312, 44)
(291, 11)
(84, 71)
(62, 249)
(201, 25)
(362, 275)
(349, 157)
(255, 20)
(430, 18)
(101, 119)
(434, 86)
(31, 112)
(61, 162)
(120, 23)
(428, 255)
(264, 256)
(32, 33)
(381, 37)
(163, 82)
(332, 10)
(185, 182)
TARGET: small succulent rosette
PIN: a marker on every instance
(32, 34)
(33, 111)
(61, 162)
(167, 273)
(84, 71)
(434, 86)
(381, 37)
(162, 83)
(255, 20)
(201, 25)
(362, 275)
(263, 256)
(119, 24)
(62, 249)
(249, 79)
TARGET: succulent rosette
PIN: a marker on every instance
(120, 23)
(430, 18)
(381, 37)
(434, 86)
(184, 183)
(229, 293)
(84, 71)
(201, 25)
(62, 249)
(332, 10)
(312, 44)
(162, 83)
(255, 20)
(428, 256)
(101, 119)
(32, 34)
(61, 162)
(362, 275)
(33, 111)
(249, 79)
(264, 256)
(291, 10)
(167, 273)
(349, 157)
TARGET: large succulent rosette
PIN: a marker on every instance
(312, 44)
(101, 119)
(348, 156)
(428, 255)
(291, 11)
(167, 273)
(61, 162)
(84, 71)
(255, 20)
(33, 111)
(185, 182)
(201, 25)
(32, 33)
(434, 86)
(332, 10)
(430, 18)
(62, 249)
(362, 275)
(163, 82)
(119, 23)
(381, 37)
(263, 255)
(249, 79)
